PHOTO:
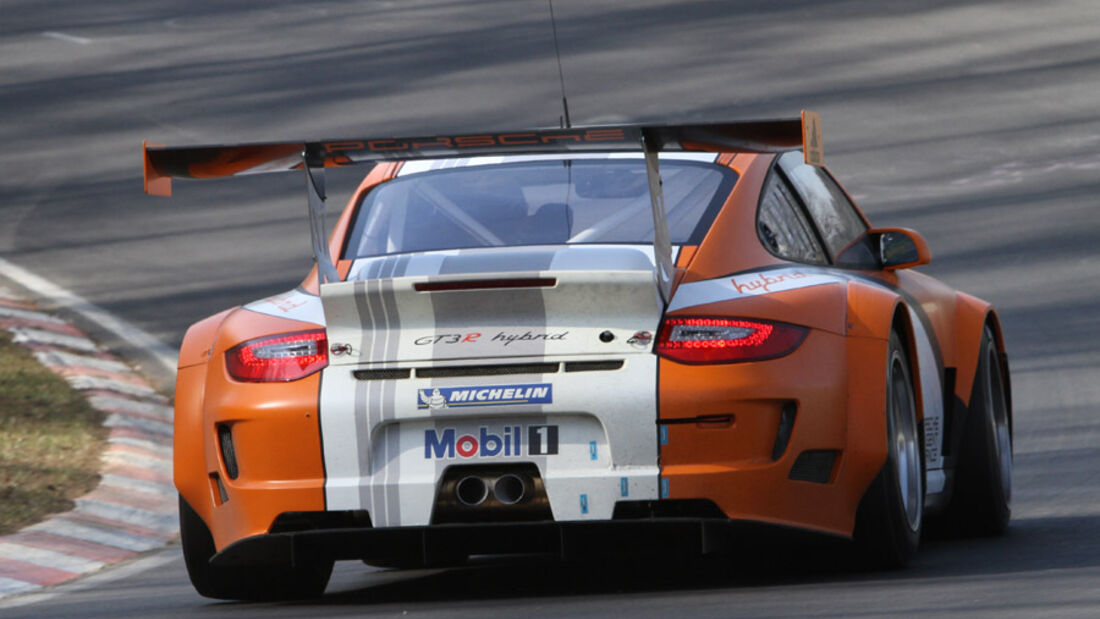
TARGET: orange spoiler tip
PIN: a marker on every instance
(813, 143)
(156, 184)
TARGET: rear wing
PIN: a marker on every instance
(163, 163)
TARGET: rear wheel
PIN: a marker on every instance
(981, 502)
(888, 524)
(243, 583)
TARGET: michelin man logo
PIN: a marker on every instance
(435, 400)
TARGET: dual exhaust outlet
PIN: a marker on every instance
(508, 489)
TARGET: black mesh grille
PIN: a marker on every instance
(229, 454)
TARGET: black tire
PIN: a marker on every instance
(243, 583)
(891, 514)
(982, 498)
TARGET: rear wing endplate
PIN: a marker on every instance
(163, 163)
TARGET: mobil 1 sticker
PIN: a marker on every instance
(542, 440)
(488, 442)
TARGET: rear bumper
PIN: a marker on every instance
(426, 545)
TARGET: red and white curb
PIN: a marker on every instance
(133, 510)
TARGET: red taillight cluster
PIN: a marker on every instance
(278, 358)
(726, 340)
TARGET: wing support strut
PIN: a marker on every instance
(315, 189)
(662, 245)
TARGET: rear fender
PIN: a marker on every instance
(972, 315)
(188, 452)
(202, 392)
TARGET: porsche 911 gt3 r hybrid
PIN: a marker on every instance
(577, 341)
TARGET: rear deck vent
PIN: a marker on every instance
(592, 366)
(814, 465)
(486, 284)
(487, 370)
(381, 374)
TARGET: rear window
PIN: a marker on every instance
(536, 203)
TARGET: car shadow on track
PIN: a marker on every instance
(1031, 545)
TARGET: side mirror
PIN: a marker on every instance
(901, 248)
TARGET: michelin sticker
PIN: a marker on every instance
(496, 395)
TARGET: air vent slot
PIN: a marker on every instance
(487, 370)
(486, 284)
(392, 374)
(784, 430)
(229, 454)
(593, 366)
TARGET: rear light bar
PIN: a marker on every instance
(726, 340)
(278, 358)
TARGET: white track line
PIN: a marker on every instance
(129, 333)
(68, 38)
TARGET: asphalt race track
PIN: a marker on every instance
(974, 122)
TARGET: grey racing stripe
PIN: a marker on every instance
(394, 268)
(377, 311)
(363, 392)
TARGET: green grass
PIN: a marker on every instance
(50, 440)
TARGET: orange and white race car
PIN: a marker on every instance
(574, 340)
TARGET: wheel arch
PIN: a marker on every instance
(993, 320)
(972, 316)
(875, 312)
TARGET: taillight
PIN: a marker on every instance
(279, 357)
(726, 340)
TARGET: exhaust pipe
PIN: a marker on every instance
(471, 491)
(510, 489)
